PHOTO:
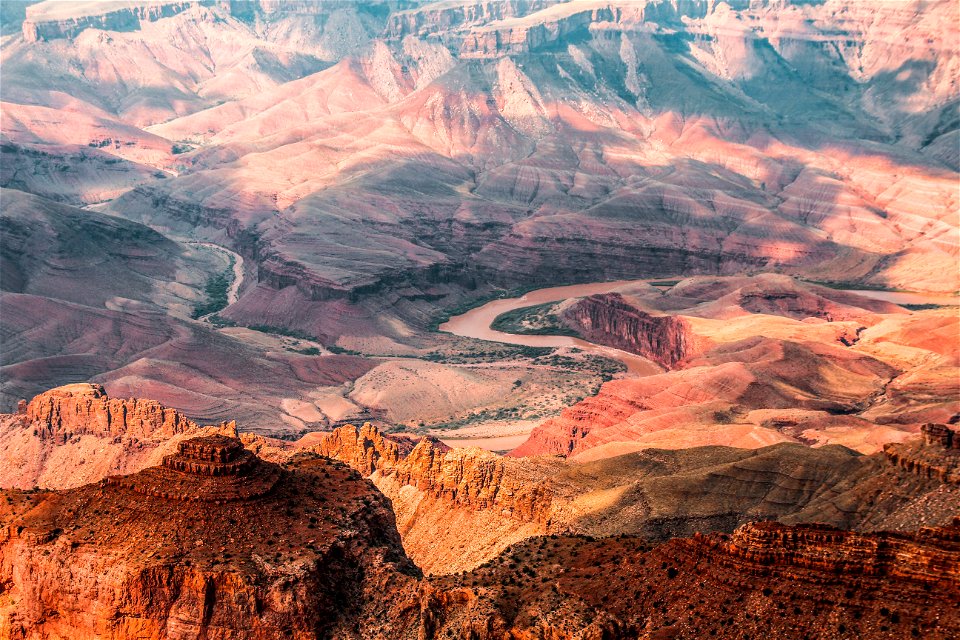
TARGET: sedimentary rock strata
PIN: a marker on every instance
(318, 556)
(180, 550)
(85, 409)
(607, 319)
(938, 458)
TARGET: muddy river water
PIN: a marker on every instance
(476, 324)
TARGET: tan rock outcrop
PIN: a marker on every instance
(938, 457)
(365, 449)
(78, 409)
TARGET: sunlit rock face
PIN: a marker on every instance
(224, 542)
(259, 212)
(570, 141)
(377, 164)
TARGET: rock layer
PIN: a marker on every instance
(609, 320)
(940, 458)
(85, 409)
(141, 556)
(318, 556)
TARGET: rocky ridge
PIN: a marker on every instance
(940, 458)
(76, 434)
(44, 22)
(609, 320)
(170, 552)
(438, 495)
(214, 543)
(85, 409)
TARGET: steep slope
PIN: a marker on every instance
(756, 361)
(91, 296)
(220, 543)
(764, 579)
(213, 542)
(75, 435)
(458, 508)
(85, 257)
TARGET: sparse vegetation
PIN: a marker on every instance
(538, 320)
(334, 348)
(923, 307)
(216, 291)
(282, 331)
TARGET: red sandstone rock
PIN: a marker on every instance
(938, 458)
(607, 319)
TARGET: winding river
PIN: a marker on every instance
(476, 322)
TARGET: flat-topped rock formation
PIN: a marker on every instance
(215, 455)
(213, 468)
(170, 552)
(77, 409)
(76, 434)
(937, 457)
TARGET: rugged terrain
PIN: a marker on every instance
(378, 166)
(457, 508)
(218, 543)
(755, 361)
(232, 231)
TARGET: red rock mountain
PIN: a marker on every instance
(607, 319)
(218, 543)
(262, 212)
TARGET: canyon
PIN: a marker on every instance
(687, 270)
(218, 541)
(380, 167)
(458, 508)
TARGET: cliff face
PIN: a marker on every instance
(85, 409)
(365, 449)
(471, 478)
(443, 16)
(806, 552)
(765, 580)
(76, 434)
(519, 36)
(609, 320)
(939, 458)
(215, 543)
(46, 22)
(218, 543)
(455, 508)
